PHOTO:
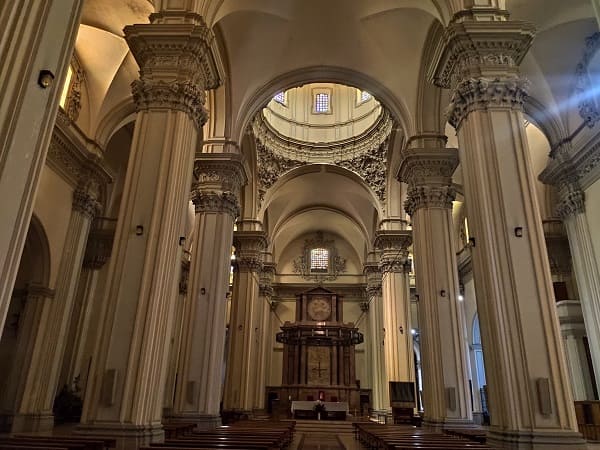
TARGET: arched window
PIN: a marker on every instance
(319, 260)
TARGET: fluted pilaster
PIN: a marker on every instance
(265, 339)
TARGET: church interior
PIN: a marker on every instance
(383, 214)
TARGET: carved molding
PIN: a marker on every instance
(471, 49)
(394, 245)
(223, 172)
(571, 202)
(585, 88)
(429, 197)
(249, 248)
(178, 63)
(85, 201)
(365, 155)
(336, 266)
(178, 95)
(482, 93)
(426, 165)
(216, 202)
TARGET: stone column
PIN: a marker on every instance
(428, 172)
(265, 339)
(395, 294)
(376, 348)
(530, 401)
(37, 36)
(243, 330)
(573, 332)
(571, 209)
(39, 381)
(126, 388)
(216, 198)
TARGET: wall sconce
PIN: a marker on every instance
(401, 329)
(472, 241)
(181, 241)
(139, 230)
(442, 293)
(45, 79)
(202, 291)
(519, 231)
(417, 297)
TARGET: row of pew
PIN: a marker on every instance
(244, 435)
(376, 436)
(38, 442)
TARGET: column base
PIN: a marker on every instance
(203, 422)
(128, 436)
(32, 422)
(458, 423)
(537, 440)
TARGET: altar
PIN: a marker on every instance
(330, 410)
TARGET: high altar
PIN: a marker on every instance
(318, 352)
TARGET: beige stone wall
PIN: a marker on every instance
(592, 212)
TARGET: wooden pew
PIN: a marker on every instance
(91, 442)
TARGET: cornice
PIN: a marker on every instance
(70, 157)
(471, 49)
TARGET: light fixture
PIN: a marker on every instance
(401, 329)
(202, 291)
(519, 231)
(442, 293)
(472, 241)
(45, 79)
(460, 297)
(139, 230)
(181, 241)
(413, 331)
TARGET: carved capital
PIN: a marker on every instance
(372, 273)
(429, 197)
(216, 202)
(394, 245)
(86, 203)
(178, 63)
(266, 277)
(249, 248)
(571, 202)
(220, 172)
(182, 96)
(427, 165)
(483, 93)
(99, 244)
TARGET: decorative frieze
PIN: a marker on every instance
(178, 63)
(249, 248)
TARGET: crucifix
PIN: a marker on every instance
(318, 368)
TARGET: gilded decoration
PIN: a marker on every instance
(336, 264)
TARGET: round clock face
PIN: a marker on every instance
(319, 308)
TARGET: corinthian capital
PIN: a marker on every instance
(178, 63)
(571, 202)
(85, 198)
(372, 273)
(249, 248)
(393, 245)
(429, 197)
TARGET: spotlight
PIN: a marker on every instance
(45, 79)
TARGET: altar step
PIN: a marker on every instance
(339, 427)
